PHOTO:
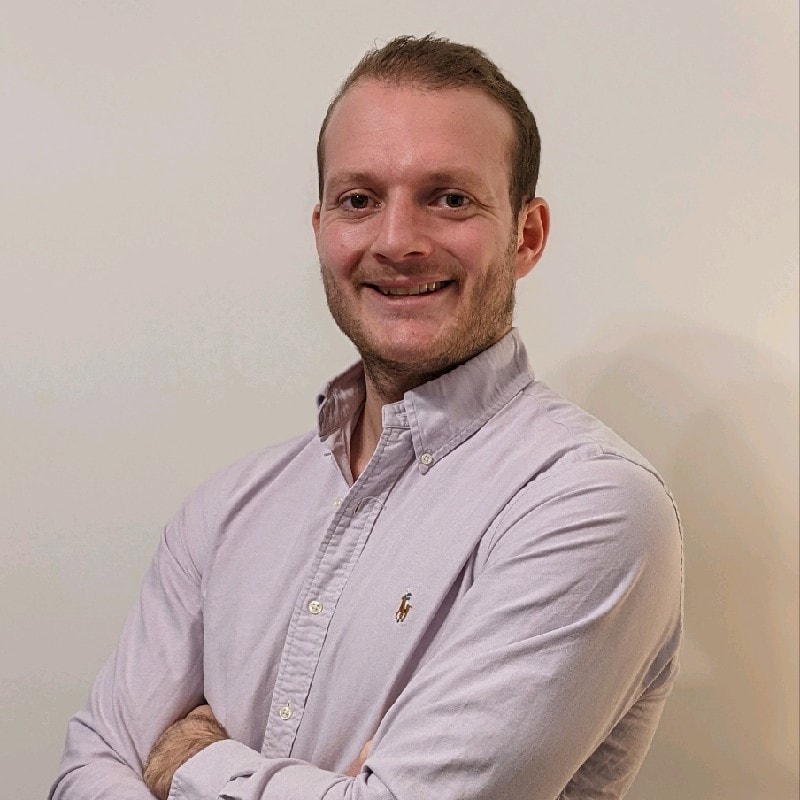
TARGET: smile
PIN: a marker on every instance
(423, 288)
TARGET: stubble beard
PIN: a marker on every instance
(491, 310)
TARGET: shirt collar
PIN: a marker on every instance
(441, 413)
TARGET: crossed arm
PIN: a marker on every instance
(183, 739)
(587, 673)
(187, 737)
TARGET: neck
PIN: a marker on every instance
(387, 382)
(383, 386)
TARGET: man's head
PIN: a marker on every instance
(420, 232)
(435, 63)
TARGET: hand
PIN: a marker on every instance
(178, 743)
(355, 767)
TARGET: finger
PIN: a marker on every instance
(362, 756)
(355, 767)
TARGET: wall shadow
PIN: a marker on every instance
(719, 419)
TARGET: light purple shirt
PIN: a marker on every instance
(495, 602)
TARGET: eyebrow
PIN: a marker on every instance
(448, 177)
(348, 179)
(458, 176)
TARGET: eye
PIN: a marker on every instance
(453, 200)
(356, 202)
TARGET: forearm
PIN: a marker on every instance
(92, 770)
(241, 773)
(99, 780)
(180, 742)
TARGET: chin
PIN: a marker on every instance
(413, 357)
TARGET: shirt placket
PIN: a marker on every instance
(337, 555)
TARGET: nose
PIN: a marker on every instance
(402, 232)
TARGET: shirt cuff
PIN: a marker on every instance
(205, 774)
(229, 768)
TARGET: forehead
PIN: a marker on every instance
(404, 132)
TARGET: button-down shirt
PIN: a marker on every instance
(495, 602)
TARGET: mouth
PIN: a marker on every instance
(405, 291)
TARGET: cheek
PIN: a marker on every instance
(476, 252)
(341, 247)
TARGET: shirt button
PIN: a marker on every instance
(315, 607)
(285, 712)
(426, 459)
(337, 503)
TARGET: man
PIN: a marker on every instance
(460, 585)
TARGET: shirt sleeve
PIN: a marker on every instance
(154, 676)
(548, 677)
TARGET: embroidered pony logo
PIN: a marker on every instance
(405, 607)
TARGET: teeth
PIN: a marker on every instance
(423, 288)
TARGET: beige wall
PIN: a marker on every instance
(161, 313)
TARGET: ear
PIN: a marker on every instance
(315, 223)
(533, 226)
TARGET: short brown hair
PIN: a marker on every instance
(437, 63)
